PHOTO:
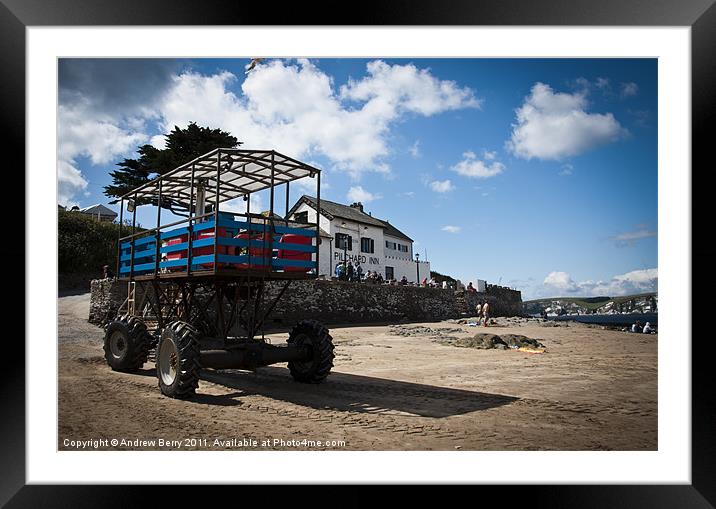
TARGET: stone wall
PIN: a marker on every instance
(106, 296)
(342, 302)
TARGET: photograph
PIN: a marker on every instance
(274, 253)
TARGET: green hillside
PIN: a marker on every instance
(587, 303)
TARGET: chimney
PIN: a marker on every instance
(357, 205)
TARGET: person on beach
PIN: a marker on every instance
(636, 327)
(486, 312)
(647, 328)
(478, 311)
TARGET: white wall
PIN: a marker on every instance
(368, 261)
(325, 223)
(408, 269)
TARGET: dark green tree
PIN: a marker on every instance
(182, 145)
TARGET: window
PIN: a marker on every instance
(367, 245)
(390, 245)
(402, 248)
(301, 217)
(344, 241)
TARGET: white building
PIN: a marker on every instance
(377, 245)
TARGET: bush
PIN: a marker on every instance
(84, 244)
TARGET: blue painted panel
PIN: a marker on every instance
(184, 231)
(209, 241)
(142, 267)
(139, 242)
(259, 227)
(138, 256)
(181, 262)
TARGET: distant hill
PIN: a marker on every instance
(639, 303)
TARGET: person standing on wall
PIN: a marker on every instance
(358, 272)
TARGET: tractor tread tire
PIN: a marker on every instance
(322, 346)
(186, 338)
(138, 339)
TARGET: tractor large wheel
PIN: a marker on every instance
(314, 335)
(126, 343)
(178, 360)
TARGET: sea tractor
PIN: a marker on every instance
(197, 287)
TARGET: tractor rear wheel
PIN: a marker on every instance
(315, 336)
(178, 360)
(126, 343)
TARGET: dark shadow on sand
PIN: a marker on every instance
(354, 393)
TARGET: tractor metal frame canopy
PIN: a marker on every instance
(235, 244)
(230, 173)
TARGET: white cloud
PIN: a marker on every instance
(553, 125)
(602, 84)
(69, 183)
(400, 88)
(489, 155)
(358, 194)
(628, 89)
(238, 205)
(638, 281)
(415, 149)
(566, 170)
(451, 228)
(442, 186)
(472, 167)
(307, 185)
(293, 108)
(560, 281)
(630, 238)
(85, 132)
(159, 141)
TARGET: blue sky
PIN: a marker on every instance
(537, 174)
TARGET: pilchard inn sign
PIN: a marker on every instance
(361, 259)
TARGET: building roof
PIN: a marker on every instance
(394, 232)
(332, 209)
(98, 209)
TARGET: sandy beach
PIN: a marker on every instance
(393, 387)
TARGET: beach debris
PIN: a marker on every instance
(487, 341)
(421, 330)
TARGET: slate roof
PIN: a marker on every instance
(99, 208)
(394, 232)
(332, 209)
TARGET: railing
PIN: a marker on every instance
(244, 242)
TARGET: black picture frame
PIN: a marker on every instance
(700, 15)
